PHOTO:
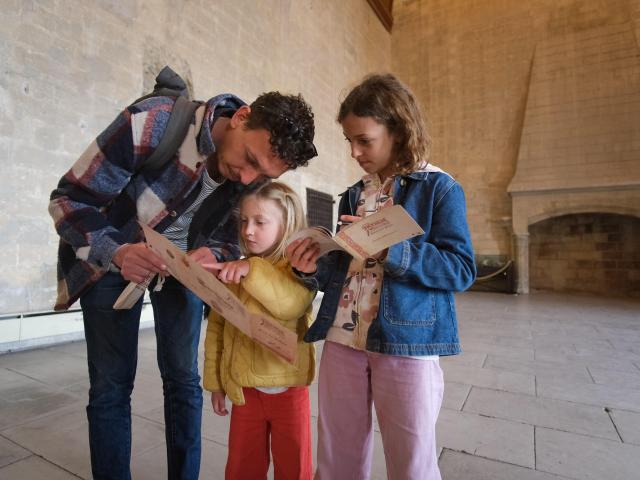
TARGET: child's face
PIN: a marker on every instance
(371, 144)
(260, 224)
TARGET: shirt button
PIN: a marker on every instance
(402, 182)
(172, 213)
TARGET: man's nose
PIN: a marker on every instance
(248, 175)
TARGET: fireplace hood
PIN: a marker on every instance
(580, 143)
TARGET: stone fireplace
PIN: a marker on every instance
(593, 253)
(580, 142)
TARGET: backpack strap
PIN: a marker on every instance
(173, 136)
(168, 84)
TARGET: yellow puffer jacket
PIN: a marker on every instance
(233, 360)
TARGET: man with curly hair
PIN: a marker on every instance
(96, 208)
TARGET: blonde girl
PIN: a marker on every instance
(387, 320)
(270, 397)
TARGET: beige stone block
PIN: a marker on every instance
(584, 457)
(461, 466)
(486, 437)
(35, 467)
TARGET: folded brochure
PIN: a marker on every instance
(366, 237)
(260, 327)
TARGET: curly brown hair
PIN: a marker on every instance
(391, 103)
(289, 121)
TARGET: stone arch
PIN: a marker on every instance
(578, 209)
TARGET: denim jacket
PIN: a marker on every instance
(417, 313)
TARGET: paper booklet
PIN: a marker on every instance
(366, 237)
(132, 293)
(260, 327)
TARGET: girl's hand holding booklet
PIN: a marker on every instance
(366, 237)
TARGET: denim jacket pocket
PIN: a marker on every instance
(402, 306)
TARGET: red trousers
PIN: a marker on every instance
(282, 419)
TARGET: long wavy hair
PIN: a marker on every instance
(292, 220)
(391, 103)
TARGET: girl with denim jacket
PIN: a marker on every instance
(387, 320)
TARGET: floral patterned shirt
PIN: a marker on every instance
(360, 297)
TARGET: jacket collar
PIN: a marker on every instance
(418, 175)
(421, 175)
(225, 101)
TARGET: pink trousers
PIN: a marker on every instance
(407, 394)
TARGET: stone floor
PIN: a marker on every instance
(548, 387)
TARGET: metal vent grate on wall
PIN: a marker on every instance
(319, 209)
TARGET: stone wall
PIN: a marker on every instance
(469, 63)
(588, 253)
(68, 66)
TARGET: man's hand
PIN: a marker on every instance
(205, 258)
(303, 255)
(136, 262)
(218, 404)
(232, 272)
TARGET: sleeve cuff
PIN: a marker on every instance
(397, 260)
(102, 252)
(300, 274)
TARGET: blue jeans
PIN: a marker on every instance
(112, 351)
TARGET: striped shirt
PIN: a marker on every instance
(178, 231)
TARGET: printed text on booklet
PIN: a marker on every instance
(366, 237)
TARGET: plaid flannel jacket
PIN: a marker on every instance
(99, 201)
